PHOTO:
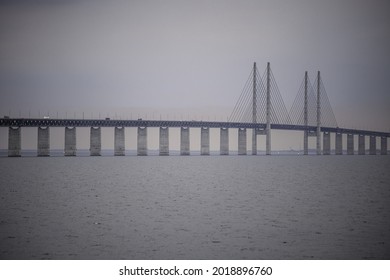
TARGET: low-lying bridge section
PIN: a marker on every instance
(70, 125)
(260, 108)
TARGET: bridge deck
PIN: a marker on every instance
(22, 122)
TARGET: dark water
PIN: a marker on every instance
(278, 207)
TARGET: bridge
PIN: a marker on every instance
(260, 108)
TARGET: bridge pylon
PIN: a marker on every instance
(312, 110)
(260, 104)
(268, 113)
(305, 120)
(254, 110)
(318, 144)
(267, 131)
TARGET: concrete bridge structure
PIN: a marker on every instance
(70, 126)
(15, 126)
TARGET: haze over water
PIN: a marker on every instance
(232, 207)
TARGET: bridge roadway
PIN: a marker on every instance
(22, 122)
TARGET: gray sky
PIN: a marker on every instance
(190, 59)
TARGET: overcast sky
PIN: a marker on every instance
(191, 58)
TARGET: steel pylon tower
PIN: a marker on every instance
(305, 119)
(254, 112)
(318, 114)
(268, 112)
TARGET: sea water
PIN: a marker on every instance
(195, 207)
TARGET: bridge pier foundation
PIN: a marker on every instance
(350, 144)
(268, 140)
(43, 141)
(119, 141)
(318, 141)
(339, 143)
(383, 145)
(326, 141)
(305, 142)
(164, 141)
(241, 141)
(14, 141)
(205, 141)
(372, 145)
(224, 141)
(95, 141)
(142, 138)
(70, 141)
(254, 142)
(362, 145)
(184, 141)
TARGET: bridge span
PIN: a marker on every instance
(260, 108)
(70, 125)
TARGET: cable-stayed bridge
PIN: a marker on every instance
(260, 109)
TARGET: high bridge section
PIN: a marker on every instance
(260, 109)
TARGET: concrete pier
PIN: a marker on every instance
(383, 146)
(254, 142)
(224, 141)
(205, 141)
(305, 142)
(242, 141)
(43, 141)
(326, 139)
(142, 143)
(95, 141)
(362, 145)
(185, 141)
(70, 141)
(350, 144)
(164, 141)
(318, 141)
(14, 141)
(372, 145)
(339, 143)
(119, 141)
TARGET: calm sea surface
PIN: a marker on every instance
(248, 207)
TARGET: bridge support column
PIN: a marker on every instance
(224, 141)
(254, 141)
(241, 141)
(339, 143)
(164, 141)
(383, 145)
(142, 141)
(372, 145)
(43, 141)
(305, 142)
(268, 141)
(205, 141)
(95, 141)
(350, 144)
(70, 141)
(362, 145)
(185, 141)
(14, 141)
(119, 141)
(326, 140)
